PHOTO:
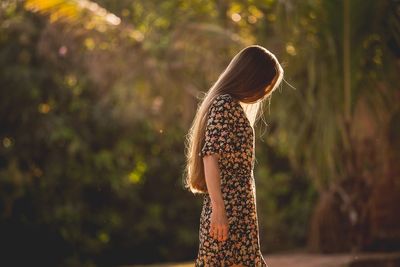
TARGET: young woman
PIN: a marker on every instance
(220, 151)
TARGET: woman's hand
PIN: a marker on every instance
(219, 223)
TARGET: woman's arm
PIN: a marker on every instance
(213, 180)
(219, 221)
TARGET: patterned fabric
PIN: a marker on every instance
(229, 133)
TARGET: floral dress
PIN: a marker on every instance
(229, 133)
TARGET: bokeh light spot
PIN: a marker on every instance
(290, 49)
(236, 17)
(7, 142)
(44, 108)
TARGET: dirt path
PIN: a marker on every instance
(304, 260)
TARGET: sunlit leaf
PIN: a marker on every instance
(74, 11)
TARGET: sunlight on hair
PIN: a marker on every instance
(291, 86)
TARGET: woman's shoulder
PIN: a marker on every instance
(225, 96)
(223, 100)
(224, 104)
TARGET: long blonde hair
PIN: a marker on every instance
(251, 76)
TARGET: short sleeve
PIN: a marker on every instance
(219, 127)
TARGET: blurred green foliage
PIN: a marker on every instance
(96, 99)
